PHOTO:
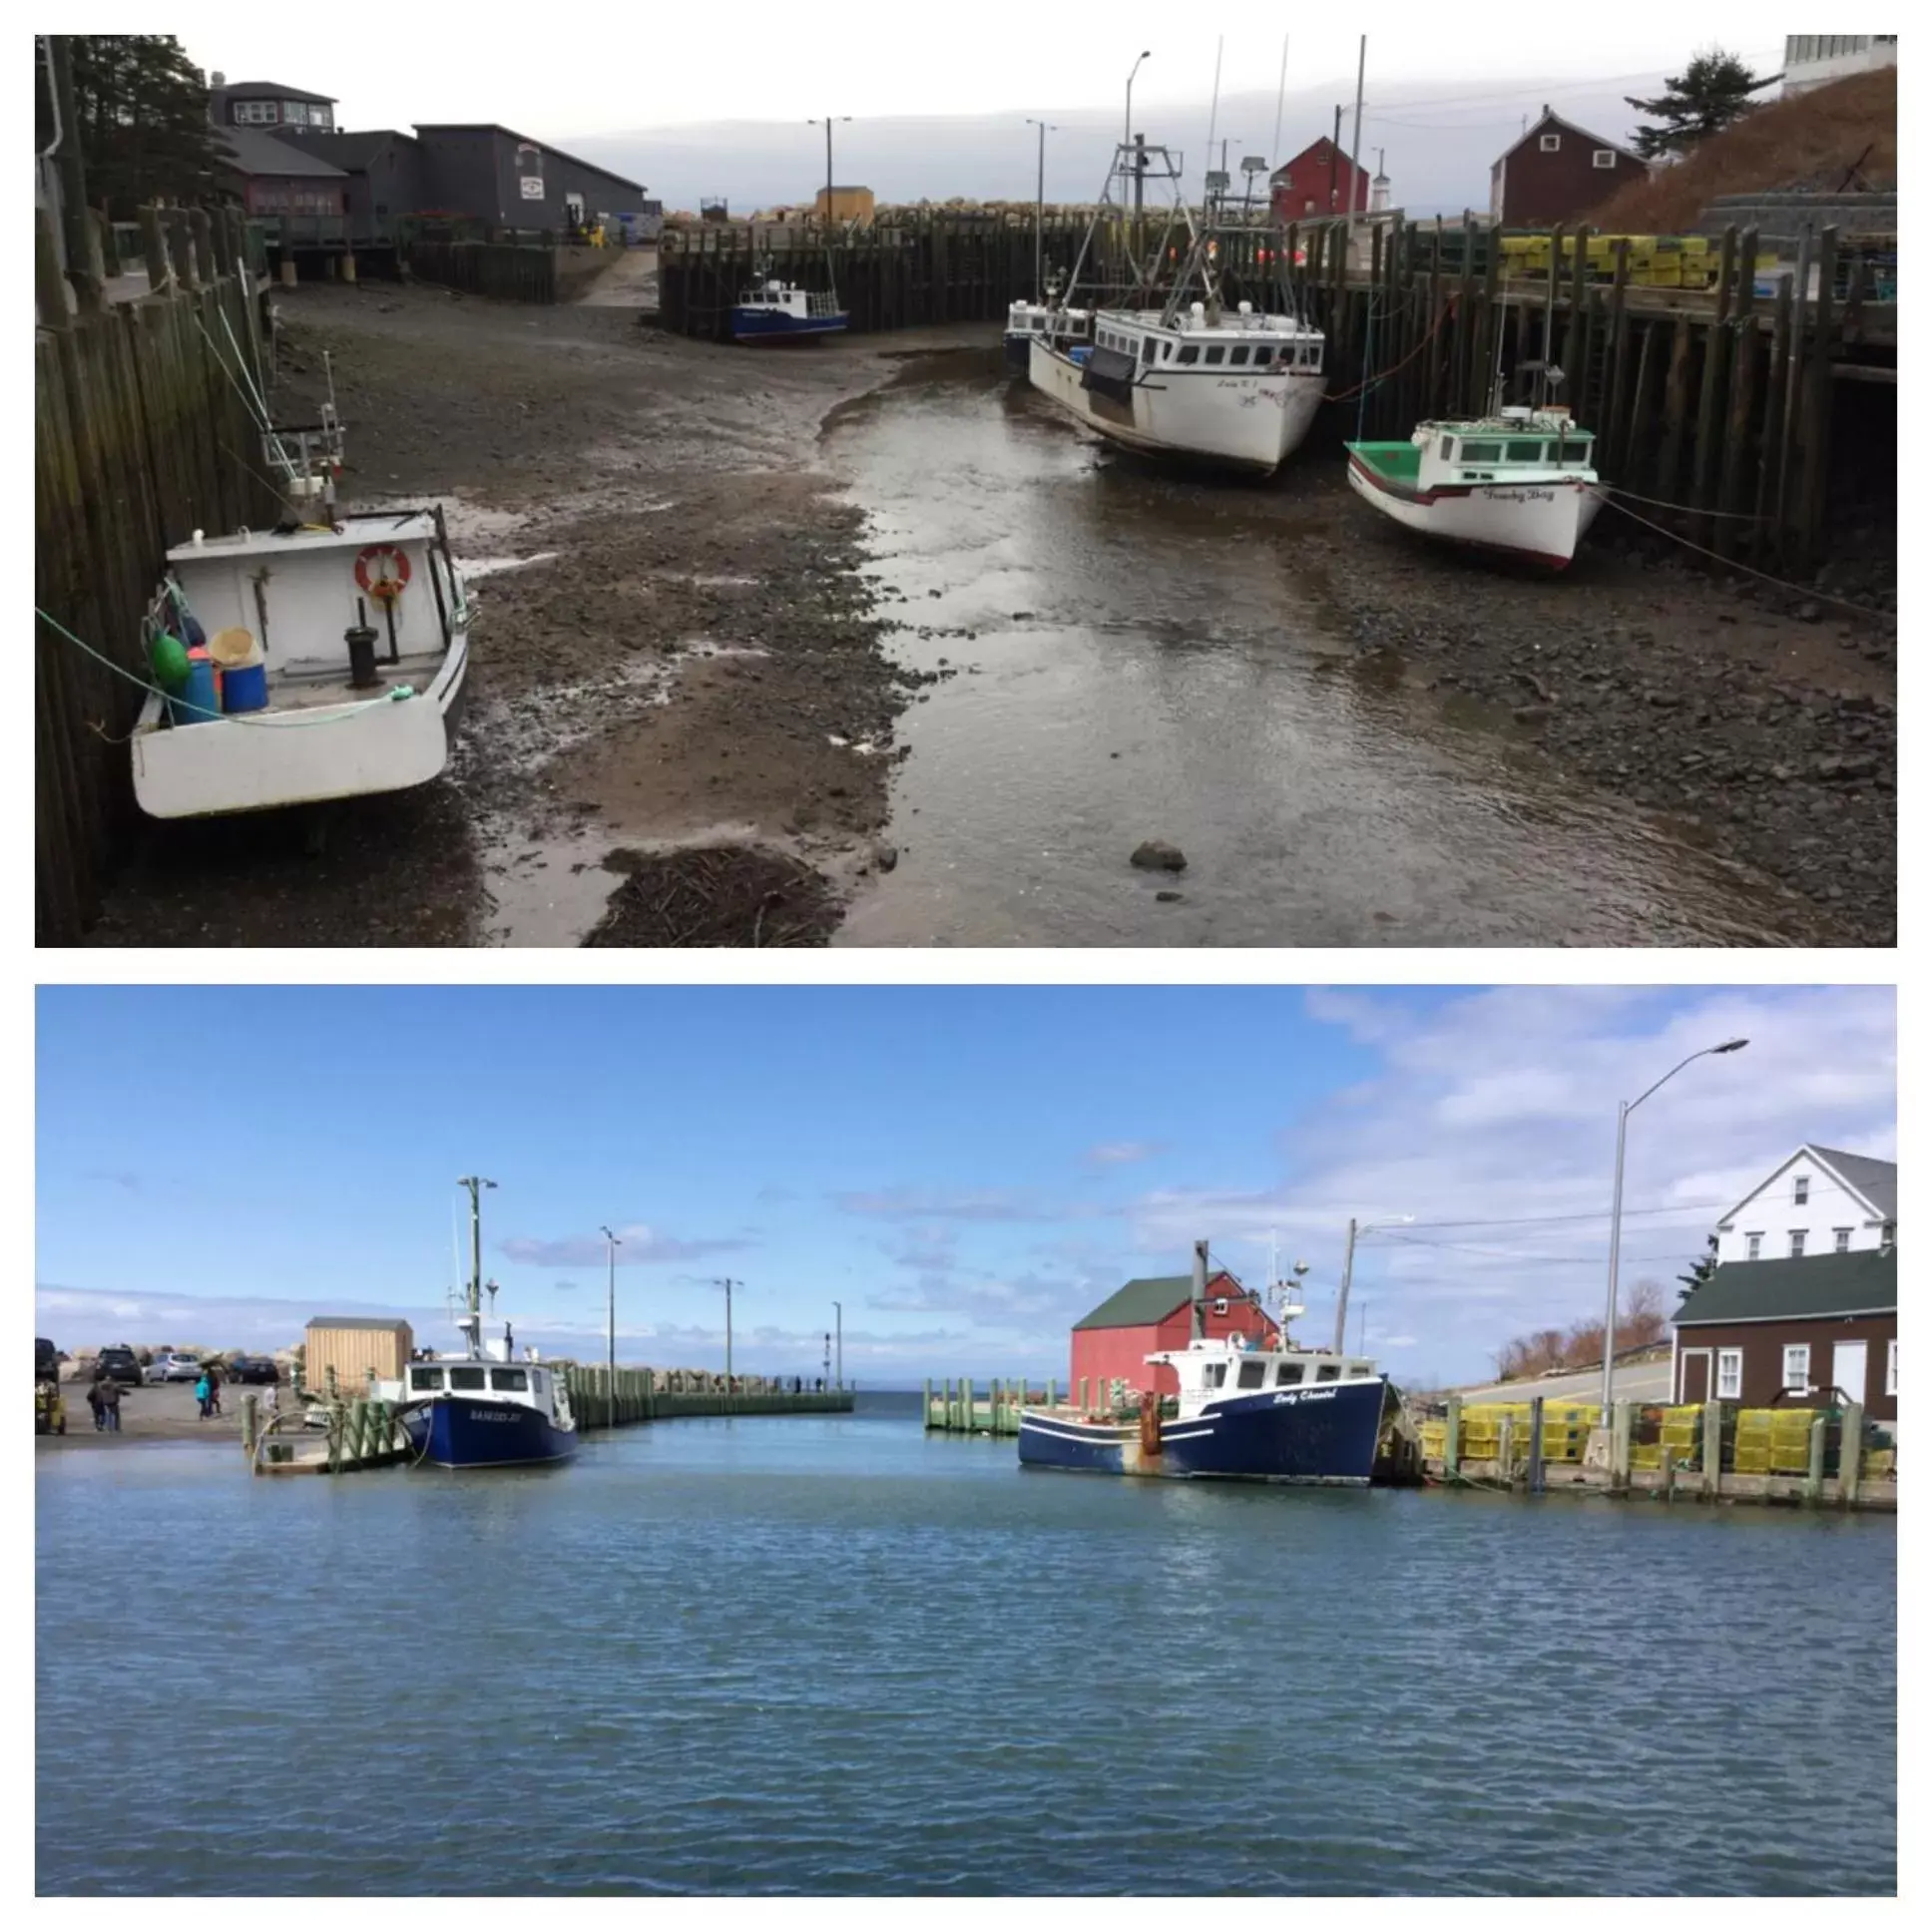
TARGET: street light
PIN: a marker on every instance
(1348, 1271)
(615, 1244)
(728, 1284)
(1625, 1109)
(838, 1321)
(1040, 201)
(1127, 131)
(826, 124)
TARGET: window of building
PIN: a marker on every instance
(1798, 1242)
(466, 1378)
(1891, 1367)
(1288, 1374)
(1841, 1241)
(1798, 1367)
(1308, 207)
(1549, 142)
(426, 1378)
(1754, 1246)
(1252, 1375)
(1328, 1372)
(1216, 353)
(1604, 157)
(1802, 1189)
(1731, 1374)
(509, 1379)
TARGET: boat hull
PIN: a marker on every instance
(1316, 1436)
(761, 326)
(1540, 522)
(300, 757)
(1248, 423)
(461, 1432)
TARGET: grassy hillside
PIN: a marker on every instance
(1807, 144)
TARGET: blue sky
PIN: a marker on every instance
(967, 1168)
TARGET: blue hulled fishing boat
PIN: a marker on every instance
(781, 311)
(1282, 1414)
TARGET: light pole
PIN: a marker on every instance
(728, 1284)
(1625, 1109)
(1040, 202)
(1348, 1271)
(827, 123)
(1127, 129)
(838, 1322)
(611, 1310)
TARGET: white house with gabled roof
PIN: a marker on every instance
(1821, 1200)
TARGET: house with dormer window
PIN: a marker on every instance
(1821, 1200)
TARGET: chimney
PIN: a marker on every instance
(1201, 1292)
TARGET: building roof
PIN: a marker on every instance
(1550, 120)
(256, 89)
(1149, 1299)
(1876, 1181)
(388, 1324)
(349, 151)
(522, 140)
(1318, 145)
(1814, 1286)
(257, 152)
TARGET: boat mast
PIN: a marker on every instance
(472, 1323)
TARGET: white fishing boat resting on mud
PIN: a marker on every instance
(1191, 377)
(339, 654)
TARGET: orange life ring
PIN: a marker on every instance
(393, 580)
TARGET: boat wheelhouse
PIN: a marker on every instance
(1192, 377)
(343, 650)
(1286, 1414)
(775, 311)
(1521, 480)
(1051, 319)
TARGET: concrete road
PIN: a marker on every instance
(629, 282)
(1630, 1383)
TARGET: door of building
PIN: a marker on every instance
(1695, 1371)
(1848, 1369)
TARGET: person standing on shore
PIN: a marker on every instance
(213, 1375)
(93, 1405)
(201, 1393)
(110, 1394)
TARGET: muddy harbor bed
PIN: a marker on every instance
(799, 612)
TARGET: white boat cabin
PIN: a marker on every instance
(1048, 318)
(1212, 1371)
(795, 303)
(525, 1385)
(1220, 342)
(1519, 445)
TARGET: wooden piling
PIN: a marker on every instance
(1712, 1476)
(1452, 1439)
(1767, 533)
(1619, 1446)
(1815, 1461)
(1816, 434)
(1851, 1446)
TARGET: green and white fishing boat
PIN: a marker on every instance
(1520, 480)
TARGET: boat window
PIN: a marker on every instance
(1288, 1374)
(1448, 449)
(1252, 1375)
(1216, 353)
(1147, 348)
(1328, 1372)
(536, 1381)
(1526, 452)
(1216, 1375)
(1482, 453)
(1190, 352)
(1263, 355)
(426, 1378)
(1237, 355)
(466, 1378)
(509, 1378)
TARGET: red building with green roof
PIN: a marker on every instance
(1152, 1313)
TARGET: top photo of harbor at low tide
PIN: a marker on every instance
(1140, 483)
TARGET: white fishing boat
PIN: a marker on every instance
(1050, 317)
(1520, 481)
(336, 657)
(1192, 377)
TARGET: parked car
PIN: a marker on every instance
(47, 1360)
(118, 1364)
(251, 1368)
(173, 1368)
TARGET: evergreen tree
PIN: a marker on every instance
(142, 110)
(1711, 93)
(1702, 1269)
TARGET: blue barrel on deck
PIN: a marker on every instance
(244, 688)
(198, 701)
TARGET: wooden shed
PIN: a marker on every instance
(1156, 1312)
(355, 1346)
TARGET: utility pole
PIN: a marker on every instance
(1039, 206)
(812, 122)
(825, 1379)
(838, 1317)
(728, 1284)
(611, 1311)
(1334, 162)
(1355, 140)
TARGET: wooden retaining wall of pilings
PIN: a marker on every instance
(141, 437)
(659, 1395)
(1714, 399)
(504, 271)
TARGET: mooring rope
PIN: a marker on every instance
(1368, 382)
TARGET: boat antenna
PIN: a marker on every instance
(1496, 378)
(1214, 114)
(1275, 151)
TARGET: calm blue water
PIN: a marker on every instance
(831, 1654)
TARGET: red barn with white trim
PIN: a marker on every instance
(1320, 181)
(1154, 1313)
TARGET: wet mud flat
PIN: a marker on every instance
(864, 644)
(673, 651)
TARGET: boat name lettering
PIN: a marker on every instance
(493, 1415)
(1521, 496)
(1305, 1395)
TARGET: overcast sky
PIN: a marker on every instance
(594, 69)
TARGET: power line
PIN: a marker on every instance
(1602, 1213)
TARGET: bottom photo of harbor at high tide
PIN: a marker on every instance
(966, 1440)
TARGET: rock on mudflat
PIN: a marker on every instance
(1157, 855)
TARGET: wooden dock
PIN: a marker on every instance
(956, 1409)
